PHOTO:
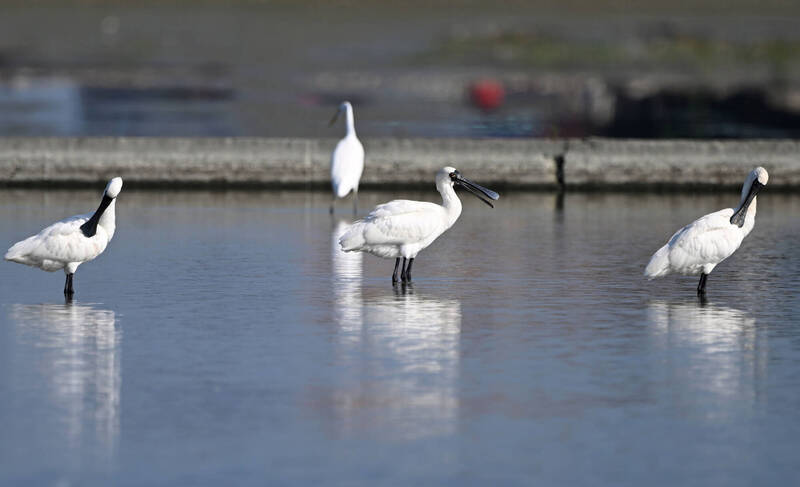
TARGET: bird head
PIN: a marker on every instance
(452, 177)
(754, 183)
(113, 188)
(345, 105)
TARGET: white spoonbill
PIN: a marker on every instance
(347, 160)
(402, 228)
(699, 246)
(72, 241)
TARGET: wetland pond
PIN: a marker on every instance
(222, 339)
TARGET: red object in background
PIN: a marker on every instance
(487, 95)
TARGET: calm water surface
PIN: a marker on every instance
(222, 339)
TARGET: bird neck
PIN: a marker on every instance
(350, 121)
(751, 211)
(108, 220)
(451, 203)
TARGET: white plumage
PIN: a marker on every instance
(347, 160)
(72, 241)
(701, 245)
(402, 228)
(60, 246)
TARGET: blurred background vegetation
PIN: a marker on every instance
(652, 68)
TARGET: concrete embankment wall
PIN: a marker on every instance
(304, 163)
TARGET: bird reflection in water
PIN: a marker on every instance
(403, 288)
(713, 350)
(79, 353)
(346, 275)
(400, 353)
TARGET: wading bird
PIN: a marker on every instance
(402, 228)
(72, 241)
(699, 246)
(347, 160)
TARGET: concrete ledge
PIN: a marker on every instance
(675, 163)
(504, 163)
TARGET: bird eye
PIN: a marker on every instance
(453, 174)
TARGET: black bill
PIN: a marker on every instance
(89, 228)
(738, 216)
(334, 118)
(474, 188)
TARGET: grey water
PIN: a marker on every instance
(222, 339)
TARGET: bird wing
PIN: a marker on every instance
(709, 239)
(399, 207)
(403, 221)
(62, 241)
(347, 164)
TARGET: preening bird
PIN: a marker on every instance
(72, 241)
(402, 228)
(699, 246)
(347, 160)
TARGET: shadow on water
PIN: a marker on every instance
(77, 348)
(401, 350)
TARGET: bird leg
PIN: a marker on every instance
(333, 200)
(701, 287)
(394, 274)
(68, 291)
(408, 269)
(355, 203)
(403, 275)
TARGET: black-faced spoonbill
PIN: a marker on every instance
(402, 228)
(699, 246)
(72, 241)
(347, 160)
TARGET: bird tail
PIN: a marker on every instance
(20, 250)
(659, 264)
(353, 237)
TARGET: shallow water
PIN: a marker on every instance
(222, 339)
